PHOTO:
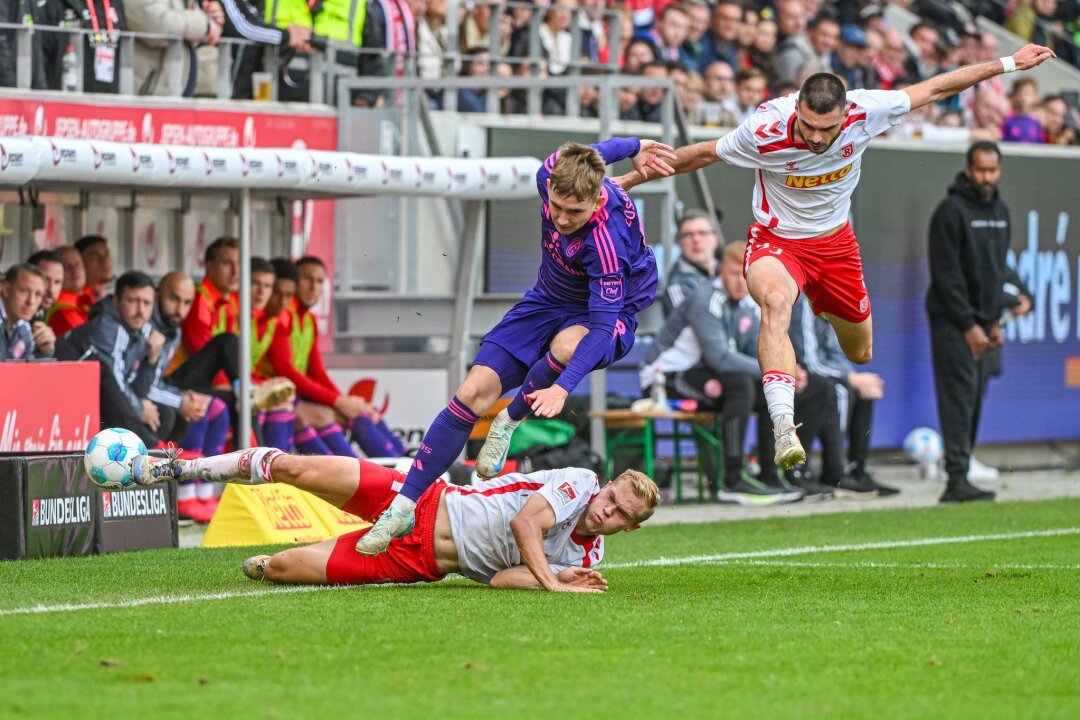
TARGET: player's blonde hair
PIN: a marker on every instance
(578, 172)
(644, 488)
(735, 251)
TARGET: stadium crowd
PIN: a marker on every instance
(723, 57)
(169, 353)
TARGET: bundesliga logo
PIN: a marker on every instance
(566, 493)
(60, 511)
(141, 502)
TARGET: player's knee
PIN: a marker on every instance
(861, 355)
(286, 468)
(777, 305)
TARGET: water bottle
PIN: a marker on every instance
(71, 69)
(659, 389)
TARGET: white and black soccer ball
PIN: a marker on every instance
(108, 458)
(923, 445)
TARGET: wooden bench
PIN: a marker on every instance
(628, 429)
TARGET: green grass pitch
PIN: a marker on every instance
(902, 624)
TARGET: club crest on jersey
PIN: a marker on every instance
(566, 493)
(574, 246)
(791, 165)
(847, 151)
(611, 288)
(812, 181)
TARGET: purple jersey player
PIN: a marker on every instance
(596, 273)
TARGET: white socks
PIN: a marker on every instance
(248, 467)
(780, 396)
(402, 504)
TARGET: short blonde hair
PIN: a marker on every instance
(578, 172)
(644, 488)
(735, 251)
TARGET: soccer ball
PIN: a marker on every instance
(923, 445)
(108, 458)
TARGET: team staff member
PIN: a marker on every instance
(969, 239)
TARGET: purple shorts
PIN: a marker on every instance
(523, 335)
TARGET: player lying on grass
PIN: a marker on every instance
(541, 531)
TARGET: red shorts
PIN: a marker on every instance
(827, 269)
(408, 559)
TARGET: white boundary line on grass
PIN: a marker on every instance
(811, 549)
(659, 562)
(903, 566)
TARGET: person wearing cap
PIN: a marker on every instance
(852, 60)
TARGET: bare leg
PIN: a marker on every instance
(566, 341)
(309, 414)
(774, 290)
(334, 479)
(480, 389)
(856, 339)
(306, 565)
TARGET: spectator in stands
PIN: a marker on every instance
(639, 53)
(1023, 125)
(217, 306)
(818, 351)
(671, 32)
(699, 238)
(762, 54)
(721, 42)
(389, 26)
(1055, 121)
(116, 335)
(69, 310)
(720, 372)
(1038, 21)
(650, 98)
(99, 268)
(243, 19)
(555, 39)
(853, 60)
(693, 48)
(890, 60)
(188, 20)
(295, 355)
(474, 30)
(791, 20)
(50, 264)
(21, 293)
(688, 87)
(803, 55)
(431, 40)
(747, 35)
(719, 87)
(750, 89)
(988, 112)
(198, 422)
(923, 58)
(101, 51)
(594, 32)
(475, 63)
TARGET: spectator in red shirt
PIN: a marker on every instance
(98, 263)
(217, 306)
(68, 310)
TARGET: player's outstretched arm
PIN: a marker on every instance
(686, 159)
(528, 527)
(520, 577)
(655, 156)
(948, 84)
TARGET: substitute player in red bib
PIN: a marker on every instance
(807, 150)
(541, 531)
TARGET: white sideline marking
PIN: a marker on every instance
(810, 549)
(906, 566)
(658, 562)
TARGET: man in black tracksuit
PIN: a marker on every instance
(969, 238)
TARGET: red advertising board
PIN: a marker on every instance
(48, 406)
(190, 122)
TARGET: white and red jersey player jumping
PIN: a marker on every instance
(807, 150)
(541, 531)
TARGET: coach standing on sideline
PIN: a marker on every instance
(969, 237)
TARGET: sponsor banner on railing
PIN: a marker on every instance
(48, 406)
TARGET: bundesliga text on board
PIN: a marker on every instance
(51, 511)
(140, 502)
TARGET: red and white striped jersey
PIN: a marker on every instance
(480, 520)
(798, 194)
